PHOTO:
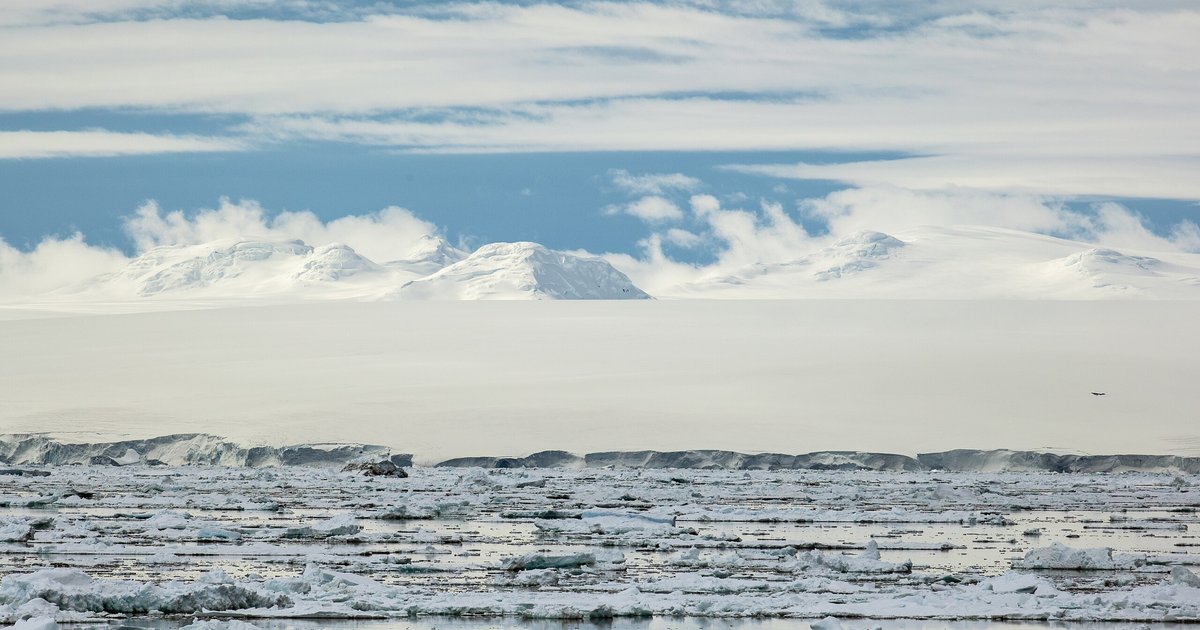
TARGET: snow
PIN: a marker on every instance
(523, 271)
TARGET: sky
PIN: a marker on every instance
(613, 128)
(685, 141)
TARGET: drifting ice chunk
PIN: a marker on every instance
(219, 625)
(1182, 576)
(169, 519)
(1060, 556)
(1014, 582)
(37, 623)
(71, 589)
(548, 561)
(15, 531)
(866, 562)
(340, 525)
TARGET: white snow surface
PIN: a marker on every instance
(448, 379)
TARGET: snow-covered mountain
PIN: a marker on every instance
(966, 262)
(332, 262)
(234, 266)
(431, 269)
(959, 262)
(523, 271)
(430, 254)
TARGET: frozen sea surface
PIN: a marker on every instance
(648, 548)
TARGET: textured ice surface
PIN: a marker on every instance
(595, 543)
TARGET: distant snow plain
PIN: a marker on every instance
(451, 378)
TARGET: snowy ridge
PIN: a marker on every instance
(183, 450)
(523, 271)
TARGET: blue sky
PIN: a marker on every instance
(509, 121)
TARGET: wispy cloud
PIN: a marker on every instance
(652, 209)
(653, 183)
(1162, 176)
(99, 142)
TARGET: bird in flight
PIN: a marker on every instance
(1099, 393)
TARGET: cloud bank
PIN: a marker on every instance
(1045, 97)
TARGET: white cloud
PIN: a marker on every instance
(682, 238)
(1128, 176)
(1001, 97)
(48, 12)
(381, 236)
(652, 209)
(54, 264)
(653, 183)
(704, 205)
(99, 142)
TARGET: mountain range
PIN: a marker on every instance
(963, 262)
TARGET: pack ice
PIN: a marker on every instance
(207, 543)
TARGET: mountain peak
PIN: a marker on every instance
(524, 270)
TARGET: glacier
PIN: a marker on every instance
(197, 449)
